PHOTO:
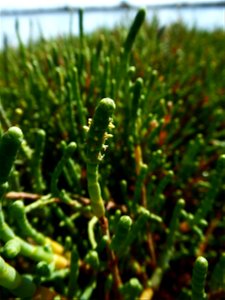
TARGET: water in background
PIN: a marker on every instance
(32, 27)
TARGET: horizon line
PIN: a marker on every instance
(122, 5)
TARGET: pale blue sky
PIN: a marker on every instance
(15, 4)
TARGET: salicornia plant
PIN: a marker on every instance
(96, 138)
(142, 220)
(198, 279)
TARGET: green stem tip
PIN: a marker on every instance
(9, 145)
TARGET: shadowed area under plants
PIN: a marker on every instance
(112, 165)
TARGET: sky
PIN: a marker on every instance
(15, 4)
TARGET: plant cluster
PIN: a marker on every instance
(112, 165)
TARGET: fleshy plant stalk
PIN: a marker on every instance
(96, 137)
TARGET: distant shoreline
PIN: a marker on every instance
(122, 6)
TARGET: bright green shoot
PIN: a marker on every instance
(9, 145)
(96, 137)
(19, 285)
(198, 279)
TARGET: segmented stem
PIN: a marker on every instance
(19, 285)
(36, 253)
(95, 144)
(38, 180)
(138, 21)
(9, 145)
(74, 272)
(17, 209)
(198, 278)
(122, 230)
(68, 151)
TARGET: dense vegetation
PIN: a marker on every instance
(143, 219)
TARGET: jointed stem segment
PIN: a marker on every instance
(19, 285)
(9, 145)
(95, 144)
(198, 278)
(94, 189)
